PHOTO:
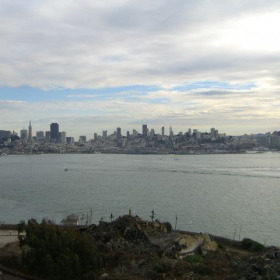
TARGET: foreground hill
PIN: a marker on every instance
(131, 248)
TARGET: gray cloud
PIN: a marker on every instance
(164, 43)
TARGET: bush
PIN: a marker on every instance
(203, 270)
(249, 244)
(194, 259)
(58, 253)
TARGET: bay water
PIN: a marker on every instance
(234, 196)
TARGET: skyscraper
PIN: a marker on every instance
(63, 138)
(162, 131)
(30, 132)
(119, 133)
(82, 139)
(213, 133)
(23, 134)
(54, 132)
(40, 135)
(48, 136)
(144, 130)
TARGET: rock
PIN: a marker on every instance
(190, 243)
(141, 262)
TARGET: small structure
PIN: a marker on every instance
(71, 220)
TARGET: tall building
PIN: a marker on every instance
(82, 139)
(152, 133)
(213, 133)
(95, 136)
(162, 131)
(127, 134)
(48, 136)
(63, 138)
(104, 135)
(144, 130)
(30, 132)
(119, 133)
(70, 140)
(170, 131)
(54, 127)
(5, 134)
(40, 135)
(24, 134)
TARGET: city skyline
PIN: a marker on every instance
(94, 66)
(54, 132)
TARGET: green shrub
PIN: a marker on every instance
(58, 253)
(249, 244)
(194, 259)
(162, 266)
(203, 270)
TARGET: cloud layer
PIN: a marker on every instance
(209, 63)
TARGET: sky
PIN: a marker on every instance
(97, 65)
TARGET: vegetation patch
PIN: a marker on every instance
(58, 253)
(249, 244)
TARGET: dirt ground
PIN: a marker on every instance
(7, 236)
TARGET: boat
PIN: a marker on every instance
(65, 167)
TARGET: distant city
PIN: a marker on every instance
(145, 142)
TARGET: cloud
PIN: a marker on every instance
(170, 62)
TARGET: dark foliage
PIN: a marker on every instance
(58, 253)
(249, 244)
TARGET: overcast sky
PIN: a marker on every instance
(98, 65)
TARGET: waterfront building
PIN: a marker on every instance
(30, 132)
(54, 127)
(144, 130)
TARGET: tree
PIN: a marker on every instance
(57, 252)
